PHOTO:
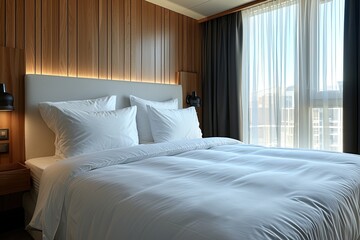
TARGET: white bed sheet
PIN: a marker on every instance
(37, 166)
(201, 189)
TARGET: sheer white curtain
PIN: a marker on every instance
(292, 74)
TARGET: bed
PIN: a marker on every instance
(199, 188)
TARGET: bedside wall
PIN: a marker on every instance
(12, 72)
(111, 39)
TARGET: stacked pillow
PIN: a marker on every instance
(163, 121)
(87, 126)
(142, 119)
(173, 124)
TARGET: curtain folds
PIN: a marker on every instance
(352, 77)
(292, 75)
(221, 76)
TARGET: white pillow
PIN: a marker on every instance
(80, 132)
(174, 124)
(49, 110)
(142, 119)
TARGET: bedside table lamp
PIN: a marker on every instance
(193, 100)
(6, 99)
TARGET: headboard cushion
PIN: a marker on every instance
(39, 139)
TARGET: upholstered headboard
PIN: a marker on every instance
(39, 139)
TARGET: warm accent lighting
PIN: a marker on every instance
(193, 100)
(6, 99)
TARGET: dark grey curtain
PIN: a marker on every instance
(351, 100)
(221, 76)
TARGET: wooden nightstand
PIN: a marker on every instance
(14, 178)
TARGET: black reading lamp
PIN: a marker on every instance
(193, 100)
(6, 99)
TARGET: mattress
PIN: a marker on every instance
(205, 189)
(37, 166)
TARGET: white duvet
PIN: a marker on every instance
(211, 188)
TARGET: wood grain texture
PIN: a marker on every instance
(148, 42)
(12, 71)
(130, 40)
(88, 38)
(20, 24)
(72, 39)
(38, 36)
(63, 38)
(103, 42)
(112, 39)
(30, 32)
(118, 32)
(2, 22)
(10, 23)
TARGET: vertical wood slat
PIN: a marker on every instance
(166, 46)
(72, 38)
(158, 44)
(118, 31)
(127, 36)
(29, 32)
(174, 49)
(50, 37)
(3, 23)
(109, 39)
(103, 41)
(10, 23)
(148, 42)
(38, 38)
(136, 37)
(88, 38)
(63, 37)
(20, 24)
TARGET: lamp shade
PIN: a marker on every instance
(193, 100)
(6, 99)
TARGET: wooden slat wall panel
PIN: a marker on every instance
(88, 38)
(127, 39)
(72, 39)
(103, 43)
(118, 32)
(38, 38)
(130, 40)
(2, 22)
(136, 39)
(112, 39)
(12, 71)
(63, 37)
(20, 24)
(148, 42)
(50, 37)
(30, 32)
(10, 23)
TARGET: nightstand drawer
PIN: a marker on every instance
(14, 179)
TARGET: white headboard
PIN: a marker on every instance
(39, 139)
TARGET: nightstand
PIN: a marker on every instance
(14, 180)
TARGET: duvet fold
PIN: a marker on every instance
(214, 188)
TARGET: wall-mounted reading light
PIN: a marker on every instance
(6, 99)
(193, 100)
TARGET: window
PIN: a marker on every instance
(292, 74)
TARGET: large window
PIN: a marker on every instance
(292, 74)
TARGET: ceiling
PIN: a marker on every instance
(199, 9)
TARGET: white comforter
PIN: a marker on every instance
(211, 188)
